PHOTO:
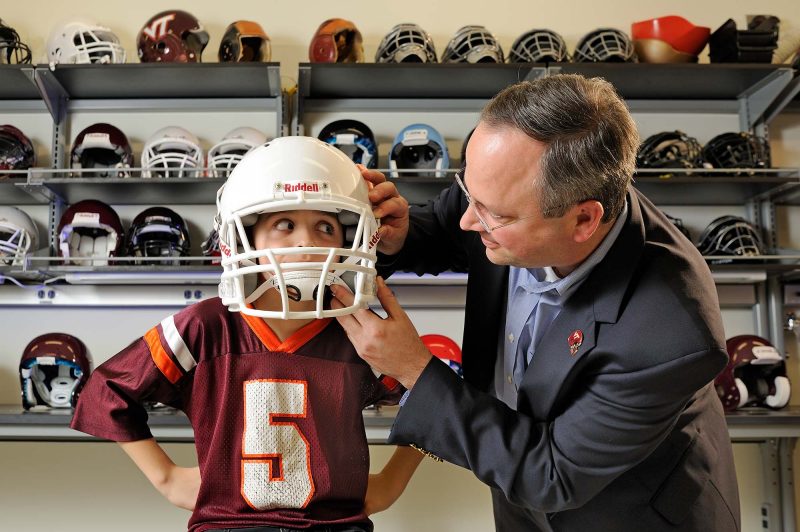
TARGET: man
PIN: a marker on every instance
(592, 332)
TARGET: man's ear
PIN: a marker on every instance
(587, 216)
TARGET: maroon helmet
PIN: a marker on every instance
(89, 228)
(158, 232)
(755, 375)
(172, 36)
(16, 150)
(53, 369)
(102, 146)
(336, 41)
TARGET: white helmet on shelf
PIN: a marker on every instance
(226, 154)
(171, 151)
(295, 173)
(18, 235)
(84, 42)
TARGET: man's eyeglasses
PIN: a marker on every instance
(481, 213)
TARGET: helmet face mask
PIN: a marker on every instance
(158, 232)
(52, 371)
(605, 45)
(171, 152)
(539, 46)
(288, 174)
(406, 43)
(669, 149)
(733, 236)
(12, 49)
(737, 150)
(18, 236)
(226, 154)
(84, 43)
(473, 44)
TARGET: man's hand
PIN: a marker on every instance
(390, 207)
(391, 346)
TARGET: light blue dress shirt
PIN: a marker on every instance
(535, 297)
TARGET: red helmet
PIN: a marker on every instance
(89, 228)
(158, 232)
(172, 36)
(336, 41)
(101, 146)
(53, 369)
(16, 150)
(755, 375)
(444, 349)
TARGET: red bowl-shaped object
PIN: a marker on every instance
(676, 31)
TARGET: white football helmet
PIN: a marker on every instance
(171, 151)
(295, 173)
(18, 236)
(226, 154)
(84, 42)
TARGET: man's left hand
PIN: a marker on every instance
(392, 345)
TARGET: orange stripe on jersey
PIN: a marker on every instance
(160, 356)
(291, 344)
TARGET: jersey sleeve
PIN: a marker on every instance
(152, 369)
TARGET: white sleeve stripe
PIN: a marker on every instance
(179, 349)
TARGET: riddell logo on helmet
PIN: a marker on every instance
(374, 239)
(301, 186)
(225, 249)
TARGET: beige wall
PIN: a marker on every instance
(75, 478)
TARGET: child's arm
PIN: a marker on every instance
(179, 485)
(386, 487)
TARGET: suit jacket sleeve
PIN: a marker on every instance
(614, 422)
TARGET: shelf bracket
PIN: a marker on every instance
(754, 102)
(53, 94)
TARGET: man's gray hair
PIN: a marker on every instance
(590, 135)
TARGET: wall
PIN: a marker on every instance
(90, 486)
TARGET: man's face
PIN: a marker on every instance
(302, 228)
(503, 166)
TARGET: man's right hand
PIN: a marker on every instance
(390, 207)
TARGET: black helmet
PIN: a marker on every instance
(669, 149)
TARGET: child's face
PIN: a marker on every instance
(306, 228)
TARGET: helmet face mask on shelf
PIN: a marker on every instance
(89, 232)
(226, 154)
(732, 236)
(172, 152)
(52, 371)
(245, 41)
(669, 149)
(419, 147)
(18, 236)
(354, 138)
(16, 152)
(83, 42)
(755, 375)
(539, 46)
(295, 174)
(12, 49)
(173, 36)
(605, 45)
(406, 43)
(737, 150)
(158, 232)
(102, 147)
(336, 41)
(473, 44)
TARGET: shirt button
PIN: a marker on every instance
(511, 337)
(510, 379)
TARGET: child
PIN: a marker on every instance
(274, 389)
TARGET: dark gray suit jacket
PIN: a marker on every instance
(627, 434)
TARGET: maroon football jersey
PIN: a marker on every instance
(277, 425)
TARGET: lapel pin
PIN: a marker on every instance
(575, 340)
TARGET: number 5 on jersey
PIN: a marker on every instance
(276, 471)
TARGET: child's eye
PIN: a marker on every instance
(326, 228)
(284, 225)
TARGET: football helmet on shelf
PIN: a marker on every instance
(84, 42)
(172, 36)
(445, 349)
(286, 174)
(336, 41)
(52, 371)
(16, 151)
(354, 138)
(406, 43)
(669, 149)
(172, 151)
(90, 232)
(226, 154)
(731, 235)
(210, 247)
(539, 46)
(605, 45)
(102, 146)
(737, 150)
(473, 44)
(755, 375)
(245, 41)
(12, 49)
(18, 235)
(158, 232)
(419, 147)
